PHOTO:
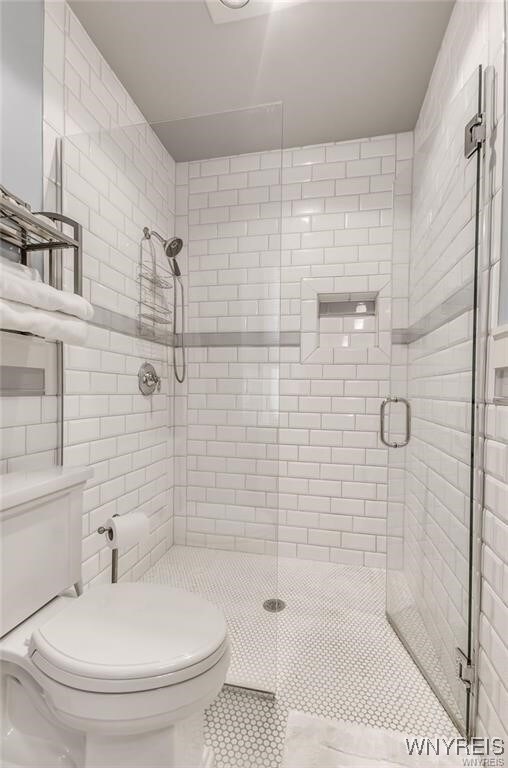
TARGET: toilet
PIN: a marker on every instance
(119, 676)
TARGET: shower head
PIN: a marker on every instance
(173, 247)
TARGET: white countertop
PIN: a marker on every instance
(20, 487)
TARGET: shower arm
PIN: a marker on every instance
(148, 233)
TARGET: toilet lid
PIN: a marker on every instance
(118, 632)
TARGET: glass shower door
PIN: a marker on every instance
(228, 212)
(205, 450)
(429, 418)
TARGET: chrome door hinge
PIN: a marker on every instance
(475, 134)
(465, 669)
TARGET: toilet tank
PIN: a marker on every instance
(40, 538)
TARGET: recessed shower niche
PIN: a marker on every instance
(344, 317)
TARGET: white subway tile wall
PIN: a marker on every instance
(117, 178)
(257, 225)
(126, 439)
(272, 439)
(474, 37)
(439, 387)
(29, 429)
(493, 659)
(29, 433)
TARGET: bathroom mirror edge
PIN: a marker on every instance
(22, 38)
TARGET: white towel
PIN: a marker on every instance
(42, 296)
(50, 325)
(19, 270)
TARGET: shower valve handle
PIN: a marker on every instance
(148, 380)
(152, 380)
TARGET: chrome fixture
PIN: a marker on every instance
(234, 4)
(382, 422)
(274, 605)
(474, 134)
(36, 233)
(148, 380)
(172, 248)
(114, 552)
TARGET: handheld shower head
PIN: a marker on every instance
(173, 247)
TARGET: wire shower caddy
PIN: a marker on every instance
(155, 316)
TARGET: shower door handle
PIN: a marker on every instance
(382, 419)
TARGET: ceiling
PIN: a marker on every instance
(342, 69)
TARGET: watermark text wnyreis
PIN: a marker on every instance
(479, 752)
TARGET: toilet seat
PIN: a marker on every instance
(122, 638)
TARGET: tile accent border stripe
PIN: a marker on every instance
(243, 339)
(113, 321)
(449, 310)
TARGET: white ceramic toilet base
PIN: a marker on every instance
(119, 677)
(178, 746)
(33, 738)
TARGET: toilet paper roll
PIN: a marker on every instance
(127, 530)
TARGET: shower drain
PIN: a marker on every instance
(274, 605)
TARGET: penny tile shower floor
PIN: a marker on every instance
(330, 652)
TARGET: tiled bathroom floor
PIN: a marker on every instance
(330, 652)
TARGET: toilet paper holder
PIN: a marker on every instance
(114, 552)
